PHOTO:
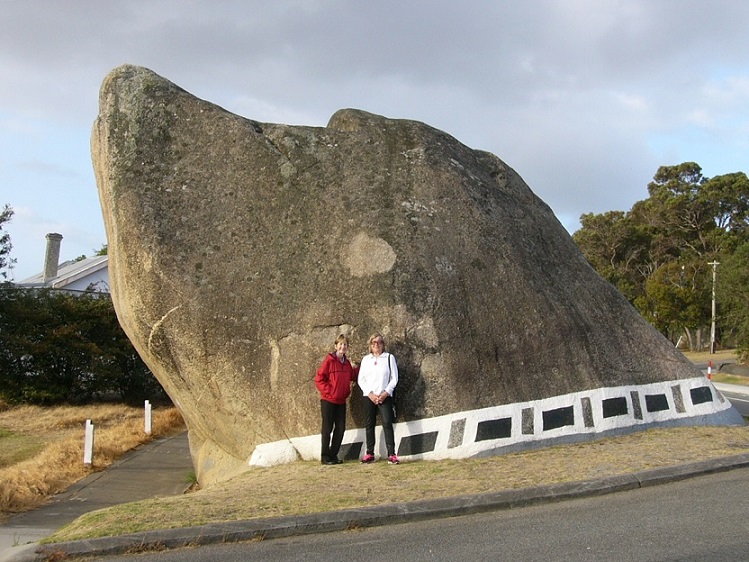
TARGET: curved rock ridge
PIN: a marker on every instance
(239, 250)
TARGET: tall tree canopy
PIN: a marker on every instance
(733, 295)
(658, 253)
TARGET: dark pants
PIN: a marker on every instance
(333, 420)
(387, 416)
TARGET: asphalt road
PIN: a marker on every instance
(702, 518)
(738, 400)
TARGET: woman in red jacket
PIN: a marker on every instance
(334, 379)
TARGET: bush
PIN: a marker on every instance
(58, 347)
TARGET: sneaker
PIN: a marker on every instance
(366, 459)
(392, 459)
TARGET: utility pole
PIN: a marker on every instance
(713, 345)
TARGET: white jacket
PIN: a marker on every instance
(378, 373)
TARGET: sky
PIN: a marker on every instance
(585, 99)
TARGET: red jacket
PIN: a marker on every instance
(334, 378)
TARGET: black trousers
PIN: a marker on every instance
(387, 416)
(333, 421)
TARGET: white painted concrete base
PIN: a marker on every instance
(571, 417)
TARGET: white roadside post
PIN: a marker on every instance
(149, 421)
(713, 343)
(88, 444)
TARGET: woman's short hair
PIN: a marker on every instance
(374, 337)
(341, 338)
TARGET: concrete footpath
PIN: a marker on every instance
(160, 468)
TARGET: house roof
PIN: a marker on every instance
(68, 272)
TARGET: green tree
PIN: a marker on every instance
(681, 217)
(728, 197)
(676, 300)
(616, 246)
(695, 215)
(732, 294)
(5, 245)
(58, 347)
(657, 253)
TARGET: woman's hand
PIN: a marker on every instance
(378, 398)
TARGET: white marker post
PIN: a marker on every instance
(88, 444)
(149, 422)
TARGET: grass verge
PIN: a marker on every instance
(730, 379)
(308, 487)
(41, 449)
(38, 447)
(718, 358)
(17, 447)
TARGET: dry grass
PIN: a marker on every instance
(730, 379)
(41, 449)
(720, 356)
(15, 447)
(308, 487)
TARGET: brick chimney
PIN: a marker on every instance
(52, 257)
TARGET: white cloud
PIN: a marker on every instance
(584, 98)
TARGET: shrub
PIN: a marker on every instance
(58, 347)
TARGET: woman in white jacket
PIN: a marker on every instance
(378, 376)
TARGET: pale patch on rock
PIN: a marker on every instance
(444, 265)
(212, 462)
(275, 356)
(391, 321)
(432, 366)
(368, 256)
(425, 332)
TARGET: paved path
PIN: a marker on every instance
(159, 468)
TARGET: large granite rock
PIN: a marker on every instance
(238, 250)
